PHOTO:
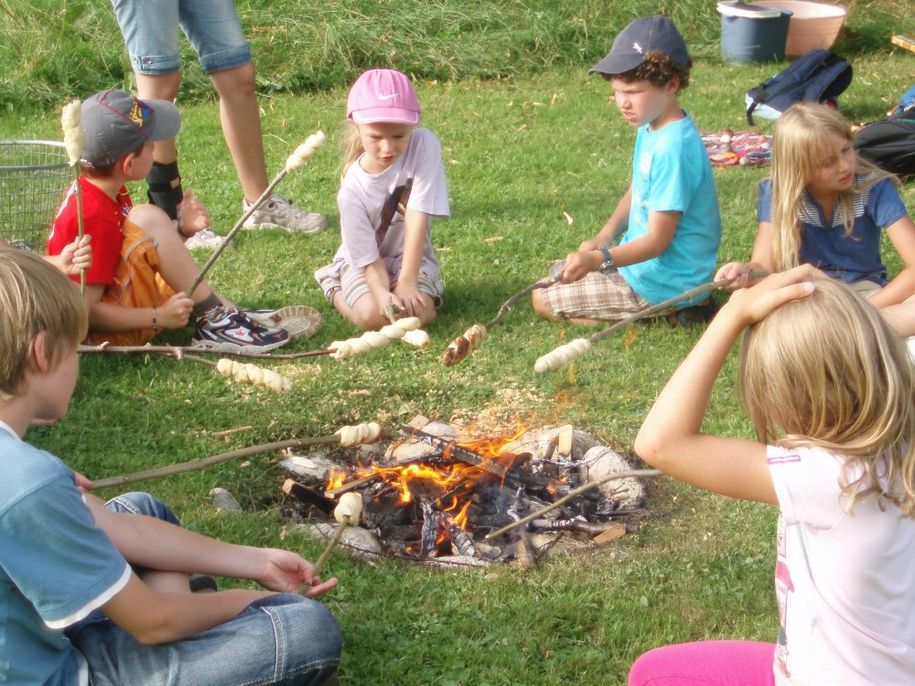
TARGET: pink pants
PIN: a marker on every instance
(706, 663)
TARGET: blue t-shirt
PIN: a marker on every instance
(671, 172)
(56, 566)
(824, 243)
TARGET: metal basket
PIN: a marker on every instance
(34, 176)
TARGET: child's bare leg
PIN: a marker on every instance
(428, 312)
(365, 312)
(160, 87)
(167, 582)
(176, 264)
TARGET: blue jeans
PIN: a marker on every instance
(150, 30)
(284, 639)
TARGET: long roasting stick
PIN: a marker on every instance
(635, 473)
(294, 161)
(579, 346)
(345, 436)
(464, 344)
(181, 351)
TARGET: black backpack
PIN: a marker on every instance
(818, 76)
(890, 143)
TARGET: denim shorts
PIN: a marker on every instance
(284, 639)
(150, 29)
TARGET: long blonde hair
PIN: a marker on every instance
(802, 138)
(34, 297)
(827, 371)
(352, 146)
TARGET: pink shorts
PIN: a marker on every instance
(706, 663)
(351, 283)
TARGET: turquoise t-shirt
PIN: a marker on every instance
(56, 566)
(671, 172)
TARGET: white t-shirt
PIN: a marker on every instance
(845, 583)
(370, 202)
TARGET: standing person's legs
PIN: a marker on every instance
(706, 663)
(150, 30)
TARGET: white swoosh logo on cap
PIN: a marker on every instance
(387, 97)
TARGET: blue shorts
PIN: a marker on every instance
(150, 29)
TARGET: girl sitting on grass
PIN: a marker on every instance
(825, 206)
(829, 389)
(393, 184)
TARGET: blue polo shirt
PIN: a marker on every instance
(824, 242)
(56, 566)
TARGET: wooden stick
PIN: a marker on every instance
(195, 465)
(179, 351)
(338, 534)
(545, 362)
(508, 304)
(571, 494)
(294, 161)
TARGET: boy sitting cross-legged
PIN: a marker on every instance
(140, 267)
(670, 211)
(99, 593)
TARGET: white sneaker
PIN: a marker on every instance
(204, 240)
(279, 213)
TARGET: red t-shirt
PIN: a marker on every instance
(102, 219)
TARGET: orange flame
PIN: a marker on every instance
(447, 477)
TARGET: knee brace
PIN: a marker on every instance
(165, 187)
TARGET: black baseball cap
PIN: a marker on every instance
(635, 41)
(114, 123)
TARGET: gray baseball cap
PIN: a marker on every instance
(115, 123)
(638, 39)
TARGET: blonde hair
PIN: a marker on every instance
(34, 297)
(827, 371)
(352, 146)
(802, 139)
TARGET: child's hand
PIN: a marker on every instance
(76, 256)
(175, 312)
(193, 215)
(589, 245)
(285, 572)
(751, 305)
(579, 264)
(409, 299)
(738, 273)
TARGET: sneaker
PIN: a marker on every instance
(204, 240)
(232, 331)
(278, 213)
(693, 316)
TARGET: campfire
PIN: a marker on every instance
(433, 495)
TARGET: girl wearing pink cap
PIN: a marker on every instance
(393, 184)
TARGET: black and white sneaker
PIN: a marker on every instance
(232, 330)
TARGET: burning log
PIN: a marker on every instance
(309, 496)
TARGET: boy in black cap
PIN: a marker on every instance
(670, 212)
(140, 264)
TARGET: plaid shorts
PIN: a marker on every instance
(351, 282)
(598, 295)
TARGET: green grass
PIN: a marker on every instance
(521, 148)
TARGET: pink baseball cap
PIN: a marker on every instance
(383, 95)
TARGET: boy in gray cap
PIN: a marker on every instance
(140, 265)
(670, 212)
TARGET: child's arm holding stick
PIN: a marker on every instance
(671, 438)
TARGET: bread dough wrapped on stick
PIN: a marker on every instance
(251, 373)
(359, 434)
(564, 353)
(461, 346)
(347, 513)
(374, 339)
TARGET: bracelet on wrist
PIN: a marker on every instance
(155, 320)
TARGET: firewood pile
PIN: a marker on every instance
(433, 495)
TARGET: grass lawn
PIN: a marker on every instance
(535, 164)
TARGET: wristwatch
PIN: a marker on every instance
(607, 264)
